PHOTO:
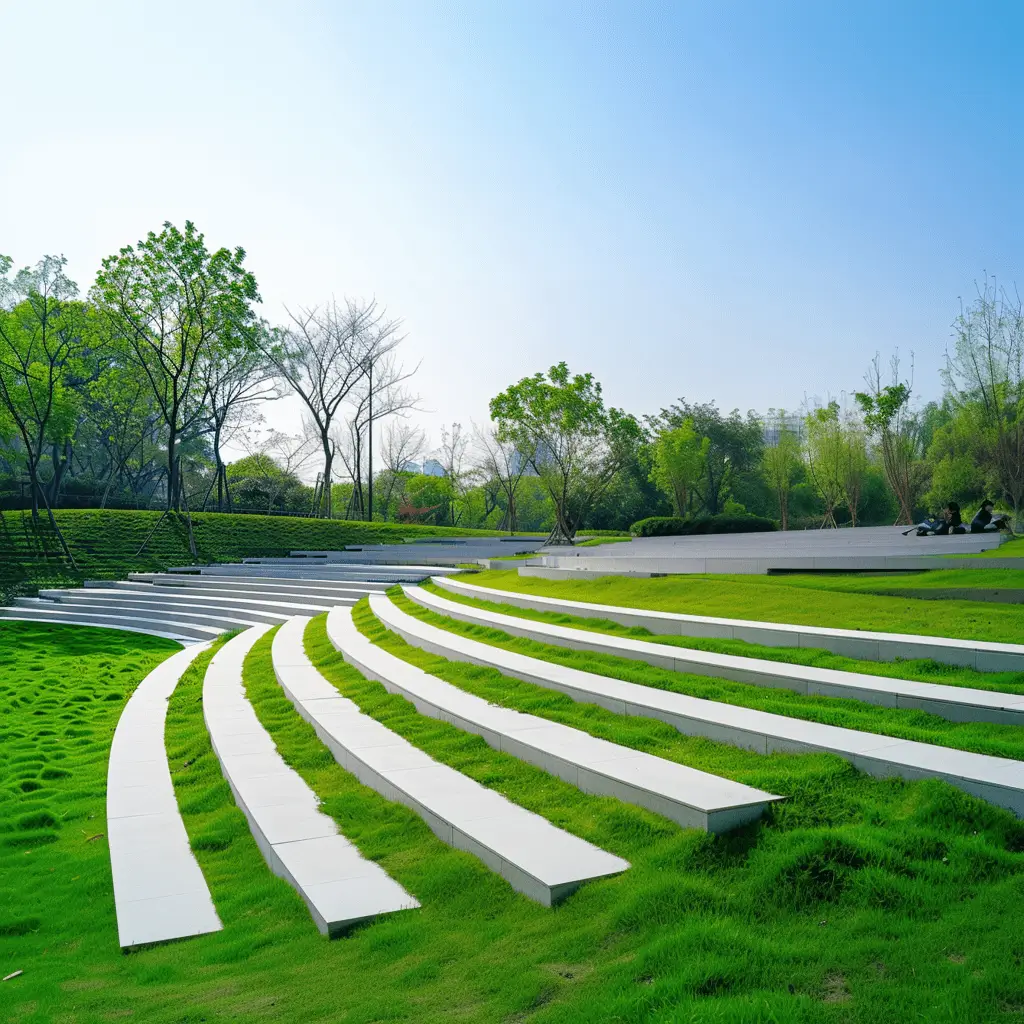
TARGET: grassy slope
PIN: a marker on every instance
(104, 542)
(858, 901)
(924, 670)
(905, 723)
(796, 600)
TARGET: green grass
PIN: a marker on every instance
(857, 901)
(104, 542)
(805, 600)
(881, 583)
(923, 670)
(904, 723)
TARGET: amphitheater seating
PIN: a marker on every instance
(996, 779)
(159, 890)
(536, 858)
(299, 843)
(958, 703)
(985, 656)
(692, 798)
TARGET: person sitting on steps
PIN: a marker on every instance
(985, 520)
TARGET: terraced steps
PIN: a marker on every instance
(298, 842)
(692, 798)
(984, 656)
(159, 890)
(956, 703)
(541, 861)
(998, 780)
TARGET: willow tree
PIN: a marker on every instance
(576, 445)
(176, 305)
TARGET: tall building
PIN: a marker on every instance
(775, 424)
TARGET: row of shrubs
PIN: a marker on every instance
(677, 526)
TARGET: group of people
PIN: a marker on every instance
(950, 521)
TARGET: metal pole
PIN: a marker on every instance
(370, 441)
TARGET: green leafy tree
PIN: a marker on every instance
(892, 425)
(824, 448)
(679, 459)
(734, 451)
(43, 342)
(781, 464)
(985, 372)
(176, 305)
(576, 445)
(854, 465)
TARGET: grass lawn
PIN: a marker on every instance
(795, 599)
(856, 901)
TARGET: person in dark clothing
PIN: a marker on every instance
(985, 519)
(949, 522)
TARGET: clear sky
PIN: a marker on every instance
(729, 201)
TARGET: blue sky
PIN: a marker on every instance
(730, 201)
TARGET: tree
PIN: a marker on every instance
(323, 354)
(824, 451)
(271, 467)
(176, 304)
(679, 459)
(780, 465)
(854, 464)
(734, 449)
(576, 445)
(403, 445)
(451, 455)
(380, 393)
(233, 379)
(888, 419)
(503, 463)
(985, 370)
(43, 338)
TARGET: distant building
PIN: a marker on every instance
(431, 467)
(776, 424)
(411, 467)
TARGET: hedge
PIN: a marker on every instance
(674, 526)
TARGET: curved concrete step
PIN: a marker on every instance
(532, 855)
(692, 798)
(299, 843)
(221, 585)
(67, 616)
(998, 780)
(220, 619)
(159, 890)
(257, 610)
(985, 656)
(400, 574)
(956, 703)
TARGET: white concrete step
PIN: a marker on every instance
(159, 890)
(65, 615)
(985, 656)
(256, 584)
(532, 855)
(998, 780)
(253, 607)
(395, 574)
(300, 844)
(222, 619)
(692, 798)
(956, 703)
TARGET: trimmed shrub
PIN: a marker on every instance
(674, 526)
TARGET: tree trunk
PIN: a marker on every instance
(325, 500)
